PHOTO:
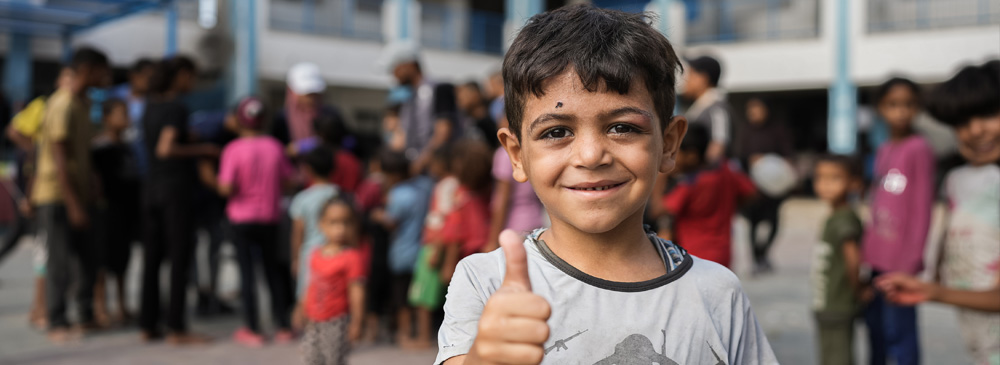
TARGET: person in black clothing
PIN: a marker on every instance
(475, 116)
(762, 135)
(168, 196)
(118, 219)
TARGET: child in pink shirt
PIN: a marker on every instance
(902, 199)
(251, 174)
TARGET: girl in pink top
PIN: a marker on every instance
(252, 173)
(901, 203)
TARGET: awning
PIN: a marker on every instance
(59, 18)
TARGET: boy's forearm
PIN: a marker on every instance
(987, 300)
(357, 299)
(298, 232)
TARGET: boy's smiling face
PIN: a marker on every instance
(592, 157)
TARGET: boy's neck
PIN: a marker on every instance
(839, 203)
(316, 180)
(623, 254)
(249, 133)
(114, 136)
(899, 135)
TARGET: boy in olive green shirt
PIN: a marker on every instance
(836, 288)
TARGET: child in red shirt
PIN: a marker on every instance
(457, 225)
(334, 302)
(703, 203)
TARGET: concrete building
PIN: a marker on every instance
(804, 54)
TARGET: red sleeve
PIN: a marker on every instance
(355, 267)
(676, 200)
(744, 186)
(453, 230)
(476, 225)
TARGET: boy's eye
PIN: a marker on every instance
(556, 133)
(622, 129)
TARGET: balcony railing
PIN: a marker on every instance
(750, 20)
(360, 19)
(903, 15)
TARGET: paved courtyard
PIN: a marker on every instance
(780, 302)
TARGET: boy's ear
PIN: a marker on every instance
(673, 134)
(513, 147)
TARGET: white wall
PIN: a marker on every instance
(925, 56)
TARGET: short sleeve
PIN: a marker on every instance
(502, 170)
(846, 228)
(227, 165)
(401, 203)
(719, 118)
(56, 124)
(297, 208)
(356, 268)
(751, 345)
(462, 308)
(744, 186)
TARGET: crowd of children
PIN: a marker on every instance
(588, 132)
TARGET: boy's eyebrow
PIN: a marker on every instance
(626, 110)
(547, 117)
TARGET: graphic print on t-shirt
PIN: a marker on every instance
(635, 349)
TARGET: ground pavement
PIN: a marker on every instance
(780, 301)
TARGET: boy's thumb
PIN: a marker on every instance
(517, 260)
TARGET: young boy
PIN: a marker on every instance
(970, 258)
(836, 288)
(252, 173)
(62, 191)
(305, 210)
(589, 98)
(704, 201)
(118, 171)
(404, 215)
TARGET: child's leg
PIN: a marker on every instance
(37, 316)
(180, 239)
(123, 313)
(902, 338)
(100, 299)
(771, 215)
(153, 252)
(836, 339)
(312, 346)
(334, 337)
(278, 275)
(874, 320)
(54, 222)
(248, 287)
(423, 327)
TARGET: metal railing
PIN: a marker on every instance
(748, 20)
(902, 15)
(360, 19)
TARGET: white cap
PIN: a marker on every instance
(398, 53)
(304, 78)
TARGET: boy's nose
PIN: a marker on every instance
(591, 152)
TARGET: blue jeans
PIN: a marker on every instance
(892, 332)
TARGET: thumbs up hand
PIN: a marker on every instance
(512, 328)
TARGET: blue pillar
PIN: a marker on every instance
(171, 29)
(243, 16)
(17, 69)
(842, 128)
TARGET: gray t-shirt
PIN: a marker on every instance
(695, 314)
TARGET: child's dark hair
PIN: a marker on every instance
(972, 92)
(472, 164)
(141, 65)
(90, 57)
(109, 106)
(696, 140)
(394, 163)
(330, 128)
(883, 90)
(166, 71)
(850, 164)
(320, 160)
(443, 155)
(344, 199)
(607, 49)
